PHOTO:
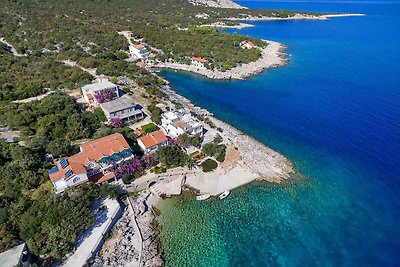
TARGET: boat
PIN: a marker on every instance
(203, 197)
(224, 195)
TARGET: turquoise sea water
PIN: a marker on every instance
(334, 110)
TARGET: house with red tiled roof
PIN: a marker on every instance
(150, 142)
(247, 45)
(139, 51)
(93, 163)
(198, 62)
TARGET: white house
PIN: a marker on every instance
(247, 45)
(139, 51)
(198, 62)
(176, 123)
(89, 91)
(150, 142)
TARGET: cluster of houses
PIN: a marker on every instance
(96, 160)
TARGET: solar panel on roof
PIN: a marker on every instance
(53, 170)
(68, 173)
(63, 163)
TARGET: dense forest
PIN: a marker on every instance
(29, 209)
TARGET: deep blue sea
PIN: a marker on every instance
(334, 110)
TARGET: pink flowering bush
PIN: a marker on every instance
(104, 95)
(135, 166)
(116, 122)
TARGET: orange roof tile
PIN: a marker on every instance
(100, 177)
(153, 139)
(91, 151)
(138, 132)
(75, 167)
(199, 59)
(251, 44)
(102, 147)
(181, 124)
(138, 46)
(140, 64)
(89, 96)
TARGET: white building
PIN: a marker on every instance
(95, 163)
(198, 62)
(247, 45)
(89, 91)
(139, 51)
(176, 123)
(150, 142)
(124, 108)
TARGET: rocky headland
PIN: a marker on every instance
(272, 56)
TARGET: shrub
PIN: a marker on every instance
(215, 150)
(126, 178)
(155, 113)
(209, 165)
(98, 112)
(171, 156)
(185, 140)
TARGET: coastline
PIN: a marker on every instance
(272, 56)
(295, 17)
(220, 24)
(254, 157)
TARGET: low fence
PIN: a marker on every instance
(136, 229)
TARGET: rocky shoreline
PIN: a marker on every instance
(224, 25)
(298, 16)
(272, 56)
(268, 164)
(217, 3)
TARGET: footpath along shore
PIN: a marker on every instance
(272, 56)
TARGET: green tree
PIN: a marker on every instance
(59, 147)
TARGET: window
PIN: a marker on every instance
(75, 180)
(90, 165)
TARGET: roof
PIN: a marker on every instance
(138, 132)
(102, 147)
(89, 96)
(138, 46)
(153, 139)
(251, 44)
(140, 64)
(118, 104)
(11, 257)
(100, 177)
(91, 151)
(98, 86)
(181, 124)
(75, 167)
(199, 59)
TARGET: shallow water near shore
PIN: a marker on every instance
(334, 110)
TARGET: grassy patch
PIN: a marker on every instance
(148, 128)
